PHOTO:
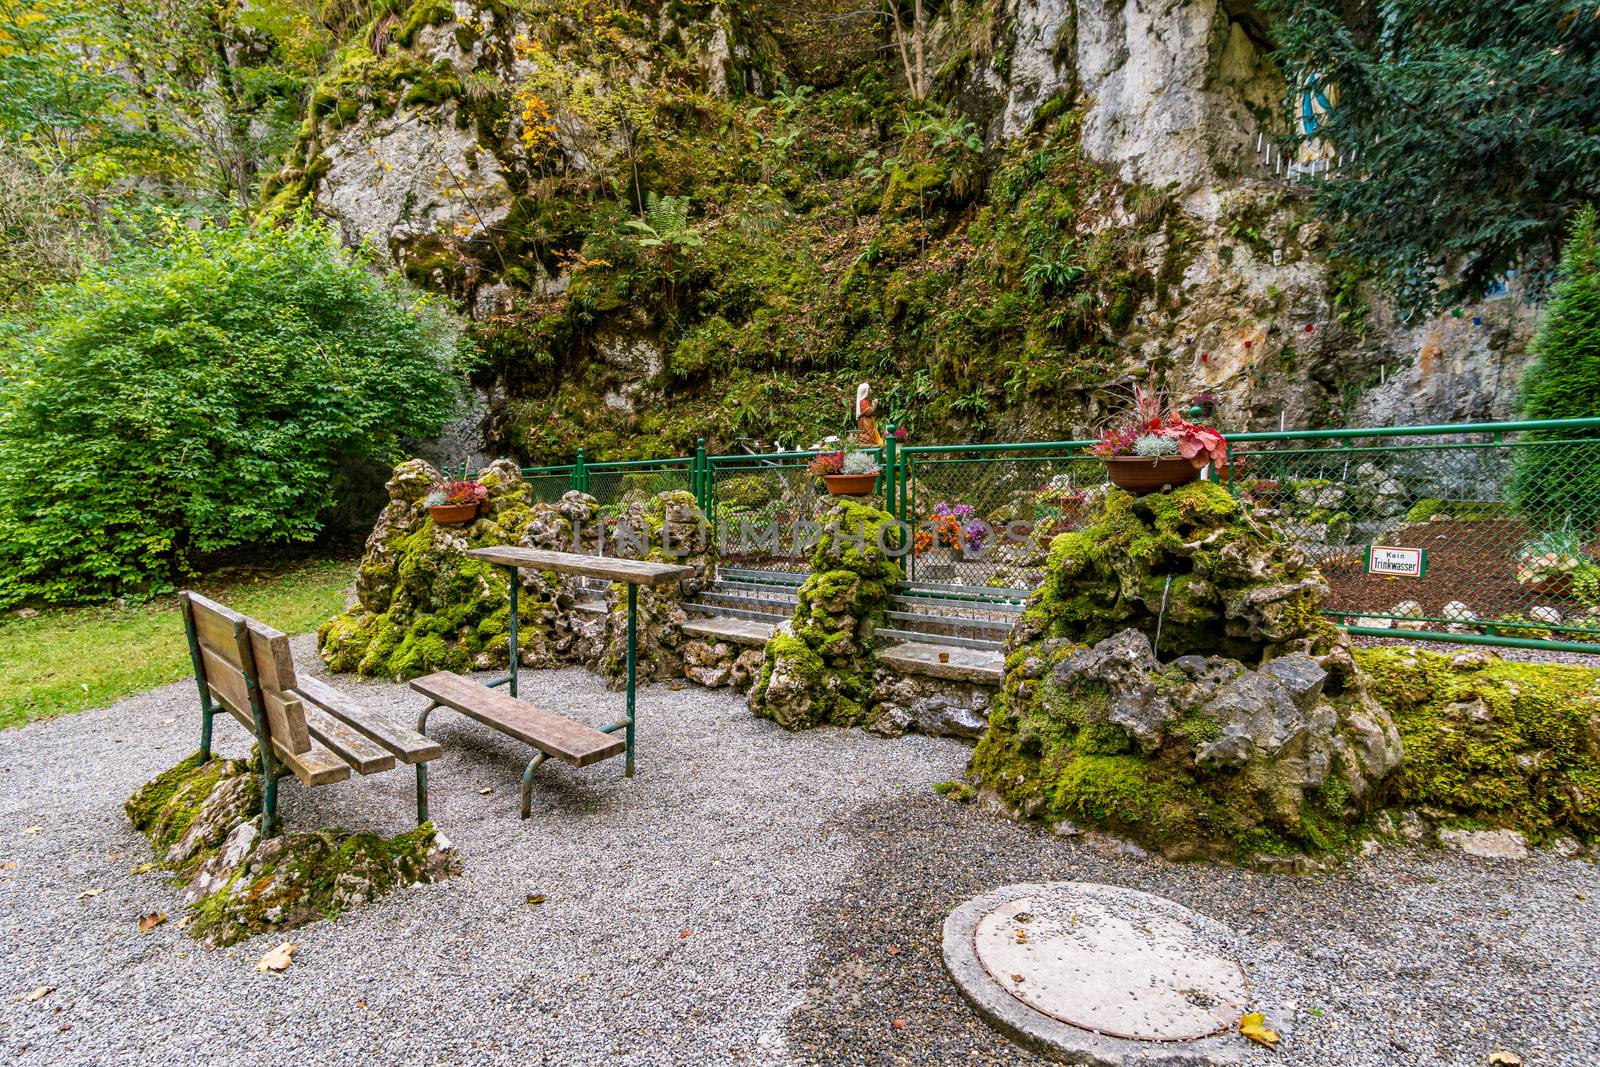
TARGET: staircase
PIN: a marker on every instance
(967, 625)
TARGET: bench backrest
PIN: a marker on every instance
(237, 652)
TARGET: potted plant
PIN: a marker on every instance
(846, 473)
(1156, 451)
(456, 501)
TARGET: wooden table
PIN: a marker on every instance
(631, 572)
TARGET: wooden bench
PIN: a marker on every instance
(552, 735)
(303, 726)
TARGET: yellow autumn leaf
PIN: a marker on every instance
(1254, 1026)
(1503, 1058)
(279, 958)
(151, 921)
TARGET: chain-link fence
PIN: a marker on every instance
(1465, 531)
(1481, 532)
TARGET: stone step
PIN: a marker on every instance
(947, 641)
(754, 601)
(737, 631)
(965, 664)
(992, 627)
(590, 607)
(738, 613)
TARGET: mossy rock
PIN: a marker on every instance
(1193, 563)
(818, 667)
(202, 818)
(1494, 742)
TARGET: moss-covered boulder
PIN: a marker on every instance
(202, 819)
(1253, 739)
(666, 528)
(818, 667)
(1493, 743)
(422, 605)
(1193, 563)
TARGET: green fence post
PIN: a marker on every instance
(700, 477)
(580, 474)
(889, 459)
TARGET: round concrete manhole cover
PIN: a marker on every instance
(1114, 961)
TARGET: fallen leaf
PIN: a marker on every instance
(151, 921)
(1505, 1059)
(33, 829)
(685, 933)
(11, 865)
(40, 993)
(184, 922)
(143, 868)
(486, 790)
(1254, 1026)
(279, 958)
(361, 1004)
(87, 893)
(675, 686)
(535, 898)
(894, 950)
(1019, 979)
(898, 1024)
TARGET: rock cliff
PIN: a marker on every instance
(671, 221)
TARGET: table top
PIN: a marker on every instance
(610, 568)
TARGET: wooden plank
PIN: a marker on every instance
(355, 748)
(632, 571)
(219, 628)
(315, 766)
(274, 664)
(564, 739)
(286, 718)
(385, 729)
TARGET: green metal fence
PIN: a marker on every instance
(1481, 533)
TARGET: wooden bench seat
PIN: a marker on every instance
(552, 735)
(303, 726)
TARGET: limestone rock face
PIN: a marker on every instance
(818, 667)
(423, 605)
(1254, 736)
(202, 818)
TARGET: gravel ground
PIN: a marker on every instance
(1521, 655)
(737, 902)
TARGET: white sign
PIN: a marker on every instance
(1402, 562)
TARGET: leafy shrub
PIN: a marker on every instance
(1556, 483)
(199, 394)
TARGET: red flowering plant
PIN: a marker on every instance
(825, 463)
(1152, 434)
(458, 491)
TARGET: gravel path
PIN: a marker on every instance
(735, 903)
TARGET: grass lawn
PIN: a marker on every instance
(69, 659)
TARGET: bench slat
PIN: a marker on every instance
(408, 745)
(274, 664)
(218, 628)
(286, 720)
(564, 739)
(354, 747)
(315, 766)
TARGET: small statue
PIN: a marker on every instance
(865, 423)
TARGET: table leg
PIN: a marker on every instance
(512, 629)
(633, 619)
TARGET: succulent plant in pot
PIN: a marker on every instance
(851, 473)
(456, 501)
(1158, 448)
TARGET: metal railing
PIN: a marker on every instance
(1487, 531)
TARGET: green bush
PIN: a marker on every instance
(199, 394)
(1556, 483)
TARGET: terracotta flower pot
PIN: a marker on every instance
(452, 514)
(1139, 475)
(850, 484)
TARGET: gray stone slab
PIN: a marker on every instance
(739, 631)
(1108, 976)
(962, 665)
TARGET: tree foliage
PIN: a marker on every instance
(199, 394)
(1473, 129)
(1557, 484)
